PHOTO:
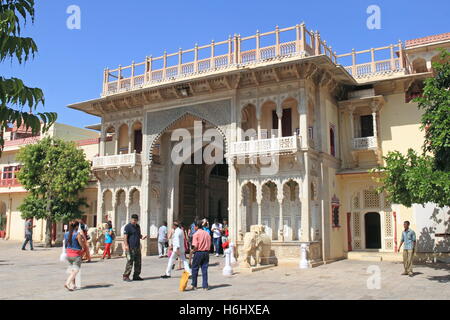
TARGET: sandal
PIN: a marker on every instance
(67, 287)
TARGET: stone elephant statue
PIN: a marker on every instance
(257, 245)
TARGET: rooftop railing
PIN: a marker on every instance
(241, 51)
(236, 51)
(390, 58)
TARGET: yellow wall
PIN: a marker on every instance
(399, 125)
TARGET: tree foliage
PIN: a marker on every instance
(17, 101)
(422, 178)
(54, 173)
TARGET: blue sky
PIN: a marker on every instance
(69, 65)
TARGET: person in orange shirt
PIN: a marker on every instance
(201, 244)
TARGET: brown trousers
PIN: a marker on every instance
(408, 260)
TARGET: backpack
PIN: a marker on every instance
(113, 235)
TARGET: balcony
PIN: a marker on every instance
(9, 183)
(284, 145)
(365, 143)
(116, 161)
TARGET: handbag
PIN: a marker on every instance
(63, 256)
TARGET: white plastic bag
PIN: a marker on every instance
(63, 256)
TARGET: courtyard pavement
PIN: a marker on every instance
(39, 275)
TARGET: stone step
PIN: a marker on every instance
(374, 256)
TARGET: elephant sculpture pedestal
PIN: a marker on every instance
(256, 251)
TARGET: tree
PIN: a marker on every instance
(54, 173)
(17, 101)
(414, 178)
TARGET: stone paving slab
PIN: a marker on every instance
(39, 275)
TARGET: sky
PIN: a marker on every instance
(69, 65)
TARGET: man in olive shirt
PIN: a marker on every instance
(409, 238)
(132, 245)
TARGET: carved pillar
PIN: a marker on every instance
(352, 126)
(303, 117)
(258, 119)
(280, 117)
(281, 223)
(116, 140)
(100, 206)
(130, 139)
(102, 143)
(259, 202)
(374, 118)
(305, 198)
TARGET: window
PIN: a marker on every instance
(335, 204)
(332, 141)
(366, 126)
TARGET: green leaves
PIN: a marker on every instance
(54, 173)
(414, 178)
(14, 94)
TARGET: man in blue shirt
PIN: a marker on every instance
(132, 245)
(409, 239)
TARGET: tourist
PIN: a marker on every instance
(201, 243)
(74, 243)
(186, 245)
(225, 236)
(409, 238)
(108, 241)
(178, 251)
(86, 253)
(28, 234)
(205, 226)
(163, 241)
(192, 230)
(132, 244)
(217, 229)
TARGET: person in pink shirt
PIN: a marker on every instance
(201, 244)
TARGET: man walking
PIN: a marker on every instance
(28, 234)
(178, 251)
(132, 245)
(409, 238)
(216, 230)
(201, 243)
(163, 241)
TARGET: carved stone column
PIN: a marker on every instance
(305, 196)
(280, 122)
(258, 119)
(259, 202)
(281, 223)
(116, 140)
(100, 205)
(102, 143)
(303, 118)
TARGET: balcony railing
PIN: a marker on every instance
(6, 183)
(219, 55)
(395, 61)
(120, 160)
(365, 143)
(265, 146)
